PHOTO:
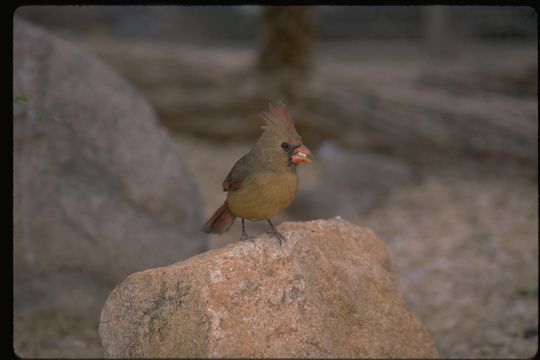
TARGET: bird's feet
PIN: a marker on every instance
(278, 235)
(245, 236)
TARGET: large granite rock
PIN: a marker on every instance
(327, 292)
(100, 188)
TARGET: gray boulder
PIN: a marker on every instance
(100, 188)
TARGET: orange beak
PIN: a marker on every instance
(301, 155)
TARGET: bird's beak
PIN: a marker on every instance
(301, 155)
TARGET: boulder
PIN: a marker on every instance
(100, 188)
(99, 185)
(328, 291)
(348, 183)
(419, 110)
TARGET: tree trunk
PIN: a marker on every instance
(287, 37)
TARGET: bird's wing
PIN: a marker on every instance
(236, 176)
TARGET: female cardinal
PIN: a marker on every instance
(264, 181)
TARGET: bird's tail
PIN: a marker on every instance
(221, 221)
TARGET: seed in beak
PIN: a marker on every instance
(301, 155)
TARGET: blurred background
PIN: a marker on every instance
(423, 121)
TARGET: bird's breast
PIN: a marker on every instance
(263, 195)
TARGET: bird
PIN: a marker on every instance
(264, 181)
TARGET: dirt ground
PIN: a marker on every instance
(465, 252)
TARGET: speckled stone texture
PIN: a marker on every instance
(327, 292)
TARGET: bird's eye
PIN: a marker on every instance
(284, 145)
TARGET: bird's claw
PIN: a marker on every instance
(278, 235)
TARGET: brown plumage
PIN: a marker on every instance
(264, 181)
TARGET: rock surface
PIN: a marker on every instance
(100, 188)
(98, 183)
(327, 292)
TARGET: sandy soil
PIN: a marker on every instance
(465, 253)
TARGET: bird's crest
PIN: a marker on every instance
(278, 120)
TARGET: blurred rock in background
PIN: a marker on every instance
(430, 103)
(424, 124)
(348, 183)
(101, 189)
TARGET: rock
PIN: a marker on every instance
(100, 188)
(347, 182)
(327, 292)
(98, 183)
(422, 111)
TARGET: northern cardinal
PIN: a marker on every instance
(264, 181)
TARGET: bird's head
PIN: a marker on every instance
(279, 143)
